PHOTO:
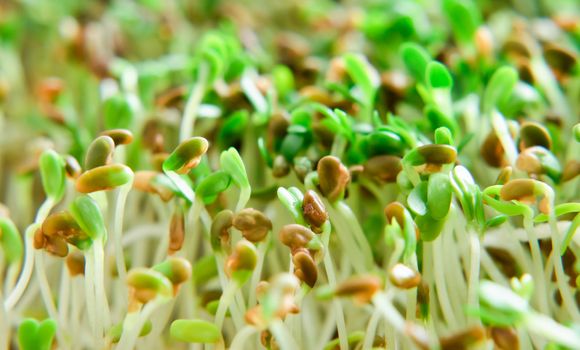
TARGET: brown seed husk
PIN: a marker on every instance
(313, 210)
(253, 224)
(333, 178)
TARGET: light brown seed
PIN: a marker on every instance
(305, 267)
(119, 136)
(384, 168)
(464, 339)
(404, 277)
(333, 178)
(362, 288)
(176, 232)
(253, 224)
(492, 151)
(220, 229)
(505, 338)
(75, 263)
(295, 236)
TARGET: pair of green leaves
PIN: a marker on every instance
(430, 201)
(88, 216)
(34, 335)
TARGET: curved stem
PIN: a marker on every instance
(27, 268)
(540, 283)
(225, 301)
(371, 330)
(241, 336)
(193, 103)
(47, 294)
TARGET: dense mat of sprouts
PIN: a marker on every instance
(292, 174)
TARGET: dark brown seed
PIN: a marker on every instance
(72, 167)
(560, 59)
(119, 136)
(362, 288)
(404, 277)
(505, 338)
(383, 168)
(176, 232)
(492, 151)
(305, 267)
(75, 262)
(397, 211)
(253, 224)
(333, 178)
(280, 167)
(313, 210)
(534, 134)
(295, 236)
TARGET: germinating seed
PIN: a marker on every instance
(289, 175)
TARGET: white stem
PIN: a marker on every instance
(282, 336)
(116, 229)
(241, 336)
(473, 277)
(330, 273)
(192, 105)
(133, 325)
(371, 330)
(444, 300)
(47, 294)
(552, 330)
(540, 282)
(24, 278)
(257, 274)
(225, 301)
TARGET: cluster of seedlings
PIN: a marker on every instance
(319, 175)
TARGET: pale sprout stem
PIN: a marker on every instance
(473, 277)
(237, 315)
(116, 227)
(90, 294)
(193, 103)
(371, 330)
(549, 329)
(439, 269)
(64, 297)
(359, 236)
(244, 197)
(27, 268)
(491, 270)
(103, 315)
(47, 294)
(134, 323)
(282, 336)
(242, 336)
(330, 273)
(347, 241)
(257, 274)
(226, 299)
(4, 326)
(561, 277)
(540, 282)
(24, 278)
